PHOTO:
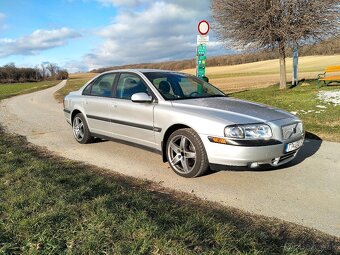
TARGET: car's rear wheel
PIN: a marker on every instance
(186, 153)
(81, 131)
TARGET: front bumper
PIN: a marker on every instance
(231, 155)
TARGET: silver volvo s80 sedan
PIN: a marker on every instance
(190, 122)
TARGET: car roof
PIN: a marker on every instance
(142, 71)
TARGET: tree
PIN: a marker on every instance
(43, 71)
(275, 23)
(62, 74)
(38, 75)
(52, 68)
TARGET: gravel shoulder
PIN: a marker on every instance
(306, 192)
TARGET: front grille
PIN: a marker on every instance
(292, 130)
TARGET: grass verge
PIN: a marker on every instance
(319, 117)
(71, 85)
(14, 89)
(50, 205)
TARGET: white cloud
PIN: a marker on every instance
(160, 31)
(127, 3)
(2, 21)
(38, 41)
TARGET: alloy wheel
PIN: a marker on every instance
(78, 129)
(182, 154)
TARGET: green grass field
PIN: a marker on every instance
(13, 89)
(50, 205)
(319, 118)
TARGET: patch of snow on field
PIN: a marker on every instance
(302, 112)
(332, 97)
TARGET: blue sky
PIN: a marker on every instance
(84, 34)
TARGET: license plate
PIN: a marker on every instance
(294, 145)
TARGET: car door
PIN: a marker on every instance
(132, 121)
(98, 99)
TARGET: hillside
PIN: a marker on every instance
(328, 47)
(252, 75)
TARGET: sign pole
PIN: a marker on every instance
(201, 48)
(295, 79)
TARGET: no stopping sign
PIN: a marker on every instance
(203, 27)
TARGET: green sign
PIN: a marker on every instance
(201, 50)
(201, 60)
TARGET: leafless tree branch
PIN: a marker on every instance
(275, 23)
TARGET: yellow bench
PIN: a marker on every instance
(328, 78)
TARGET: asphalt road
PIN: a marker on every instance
(306, 192)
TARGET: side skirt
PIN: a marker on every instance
(104, 137)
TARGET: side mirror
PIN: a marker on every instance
(141, 98)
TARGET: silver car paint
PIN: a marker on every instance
(208, 117)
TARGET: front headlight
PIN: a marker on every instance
(253, 131)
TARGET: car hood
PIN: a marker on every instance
(232, 109)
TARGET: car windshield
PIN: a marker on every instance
(175, 86)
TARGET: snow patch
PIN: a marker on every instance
(301, 112)
(330, 97)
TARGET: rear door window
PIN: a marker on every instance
(102, 86)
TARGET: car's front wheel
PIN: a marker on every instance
(186, 153)
(81, 131)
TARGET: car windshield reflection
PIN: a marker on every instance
(178, 86)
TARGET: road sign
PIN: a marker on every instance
(201, 49)
(203, 27)
(201, 60)
(202, 39)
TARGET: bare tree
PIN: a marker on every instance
(275, 23)
(43, 71)
(52, 68)
(37, 72)
(62, 74)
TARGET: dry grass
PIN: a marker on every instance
(264, 73)
(82, 75)
(238, 83)
(306, 64)
(254, 75)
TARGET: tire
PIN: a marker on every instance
(81, 130)
(186, 153)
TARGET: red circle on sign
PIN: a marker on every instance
(203, 27)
